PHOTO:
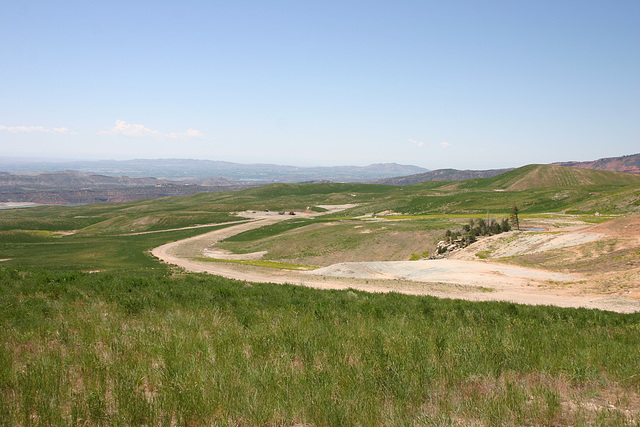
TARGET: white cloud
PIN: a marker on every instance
(124, 128)
(445, 144)
(28, 129)
(419, 144)
(128, 129)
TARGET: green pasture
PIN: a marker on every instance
(88, 253)
(324, 242)
(201, 350)
(548, 176)
(114, 218)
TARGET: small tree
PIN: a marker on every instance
(513, 218)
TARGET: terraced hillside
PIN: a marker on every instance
(549, 176)
(629, 163)
(534, 188)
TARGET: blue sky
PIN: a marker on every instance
(463, 84)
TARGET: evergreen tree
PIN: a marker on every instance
(513, 218)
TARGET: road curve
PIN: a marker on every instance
(474, 280)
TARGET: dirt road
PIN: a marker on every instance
(463, 279)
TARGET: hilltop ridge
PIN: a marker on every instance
(441, 175)
(540, 176)
(629, 164)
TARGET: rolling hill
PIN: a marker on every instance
(546, 176)
(441, 175)
(629, 164)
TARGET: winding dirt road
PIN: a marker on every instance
(445, 278)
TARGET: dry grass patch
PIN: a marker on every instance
(324, 244)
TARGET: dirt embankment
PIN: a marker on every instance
(450, 278)
(515, 243)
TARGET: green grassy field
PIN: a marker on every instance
(87, 252)
(198, 350)
(322, 242)
(139, 343)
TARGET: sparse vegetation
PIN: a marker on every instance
(263, 263)
(483, 254)
(416, 257)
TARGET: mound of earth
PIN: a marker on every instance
(514, 243)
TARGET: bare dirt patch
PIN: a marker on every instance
(514, 243)
(606, 256)
(628, 226)
(473, 273)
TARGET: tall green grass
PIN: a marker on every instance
(270, 230)
(149, 349)
(88, 252)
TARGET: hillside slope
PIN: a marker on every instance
(539, 176)
(441, 175)
(629, 164)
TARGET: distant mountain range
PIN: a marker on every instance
(195, 170)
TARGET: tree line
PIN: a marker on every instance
(479, 227)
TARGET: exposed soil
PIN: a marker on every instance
(514, 243)
(450, 278)
(609, 265)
